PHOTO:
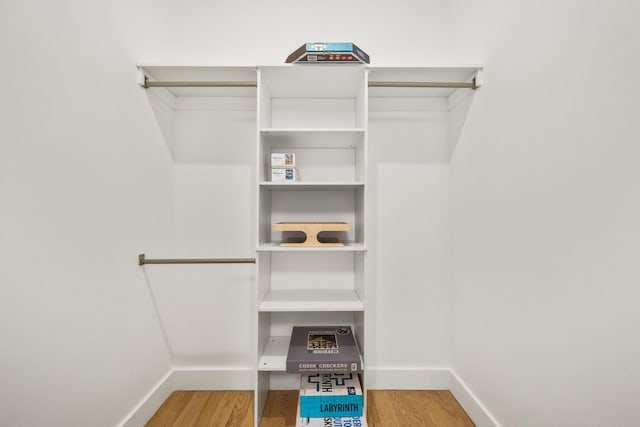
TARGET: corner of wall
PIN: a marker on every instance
(150, 403)
(470, 403)
(187, 379)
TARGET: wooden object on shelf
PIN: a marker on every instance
(311, 231)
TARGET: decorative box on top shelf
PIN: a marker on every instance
(328, 53)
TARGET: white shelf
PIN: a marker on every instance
(319, 186)
(311, 300)
(274, 357)
(275, 247)
(313, 137)
(306, 131)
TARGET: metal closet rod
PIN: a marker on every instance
(455, 85)
(147, 84)
(142, 260)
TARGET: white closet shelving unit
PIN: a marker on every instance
(320, 113)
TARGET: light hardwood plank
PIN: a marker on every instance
(386, 408)
(280, 409)
(205, 409)
(170, 409)
(210, 411)
(415, 408)
(191, 411)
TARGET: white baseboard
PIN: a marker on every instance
(472, 406)
(213, 379)
(150, 403)
(408, 379)
(376, 379)
(188, 379)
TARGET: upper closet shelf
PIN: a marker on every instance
(291, 80)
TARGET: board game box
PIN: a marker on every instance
(330, 395)
(323, 349)
(317, 52)
(329, 421)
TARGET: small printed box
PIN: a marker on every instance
(284, 175)
(283, 160)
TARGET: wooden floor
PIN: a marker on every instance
(205, 408)
(411, 408)
(386, 408)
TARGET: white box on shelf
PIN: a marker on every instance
(283, 160)
(284, 175)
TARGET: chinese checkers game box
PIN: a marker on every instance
(323, 349)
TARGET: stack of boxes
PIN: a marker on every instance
(333, 400)
(283, 167)
(328, 361)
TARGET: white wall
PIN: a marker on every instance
(408, 325)
(249, 32)
(254, 32)
(545, 213)
(207, 309)
(85, 184)
(544, 202)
